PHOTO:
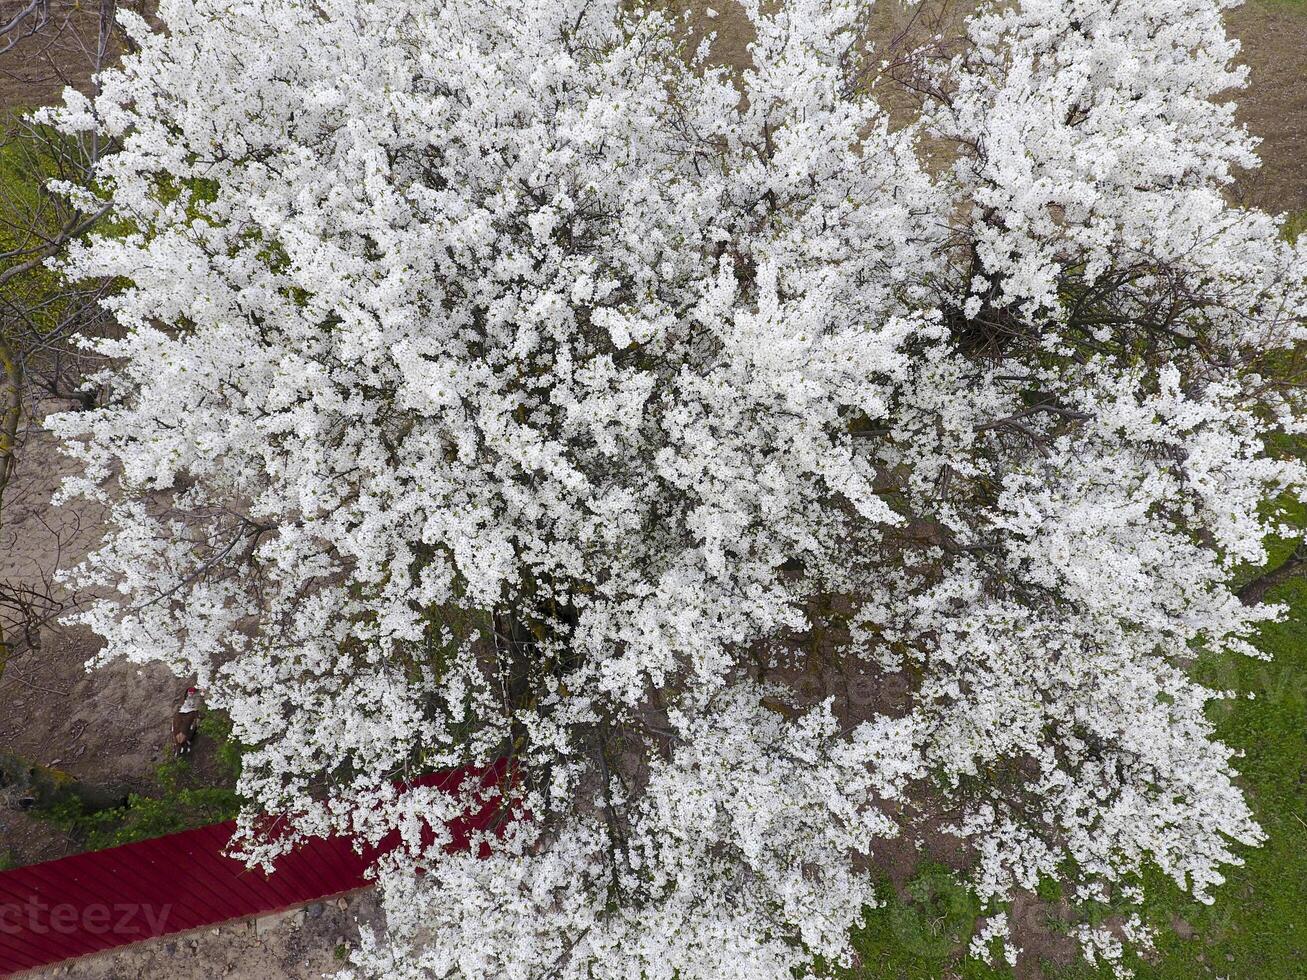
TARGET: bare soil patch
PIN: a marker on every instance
(51, 50)
(109, 727)
(1274, 107)
(309, 943)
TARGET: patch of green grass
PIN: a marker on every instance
(1295, 222)
(215, 727)
(920, 935)
(28, 214)
(181, 801)
(1258, 924)
(175, 807)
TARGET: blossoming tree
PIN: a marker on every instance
(501, 378)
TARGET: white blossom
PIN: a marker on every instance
(500, 378)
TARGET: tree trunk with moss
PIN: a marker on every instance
(1256, 590)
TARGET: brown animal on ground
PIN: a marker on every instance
(186, 722)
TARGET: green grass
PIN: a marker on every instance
(919, 936)
(1258, 925)
(177, 805)
(182, 798)
(1295, 222)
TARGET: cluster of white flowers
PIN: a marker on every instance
(994, 928)
(501, 378)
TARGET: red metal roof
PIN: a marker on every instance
(100, 900)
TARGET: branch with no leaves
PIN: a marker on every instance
(76, 226)
(28, 21)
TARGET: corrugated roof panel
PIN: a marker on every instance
(100, 900)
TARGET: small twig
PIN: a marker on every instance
(35, 687)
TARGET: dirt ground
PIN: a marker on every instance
(111, 726)
(35, 70)
(308, 943)
(1274, 108)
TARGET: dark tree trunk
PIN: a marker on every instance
(525, 660)
(1255, 591)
